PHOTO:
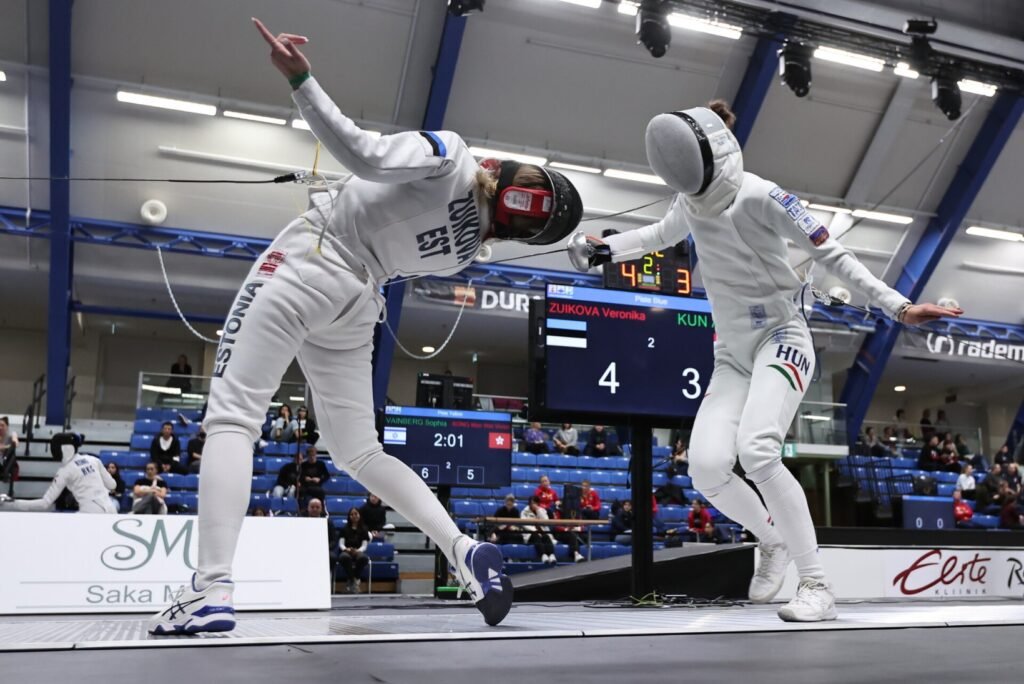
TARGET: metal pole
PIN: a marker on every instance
(640, 471)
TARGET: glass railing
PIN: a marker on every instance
(164, 390)
(819, 422)
(908, 435)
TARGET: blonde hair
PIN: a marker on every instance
(527, 176)
(721, 108)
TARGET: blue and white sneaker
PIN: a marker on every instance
(478, 567)
(193, 611)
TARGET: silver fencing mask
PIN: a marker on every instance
(682, 147)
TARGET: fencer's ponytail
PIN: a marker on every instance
(487, 182)
(721, 108)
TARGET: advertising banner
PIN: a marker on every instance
(67, 563)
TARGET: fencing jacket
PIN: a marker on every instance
(741, 240)
(411, 205)
(88, 480)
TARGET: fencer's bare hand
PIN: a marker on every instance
(922, 313)
(284, 51)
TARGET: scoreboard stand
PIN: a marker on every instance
(641, 477)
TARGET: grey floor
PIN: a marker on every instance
(422, 641)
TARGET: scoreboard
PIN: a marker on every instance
(665, 272)
(603, 352)
(451, 447)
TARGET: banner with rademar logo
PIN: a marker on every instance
(61, 563)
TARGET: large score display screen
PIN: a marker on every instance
(451, 447)
(623, 353)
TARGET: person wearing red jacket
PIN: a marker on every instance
(548, 496)
(962, 512)
(699, 522)
(590, 502)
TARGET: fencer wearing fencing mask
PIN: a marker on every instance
(83, 474)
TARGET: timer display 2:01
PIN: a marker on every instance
(448, 440)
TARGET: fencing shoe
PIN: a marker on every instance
(771, 572)
(193, 610)
(813, 602)
(478, 566)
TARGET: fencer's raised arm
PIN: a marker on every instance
(397, 158)
(813, 238)
(634, 244)
(46, 501)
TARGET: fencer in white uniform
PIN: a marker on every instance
(82, 474)
(764, 358)
(417, 203)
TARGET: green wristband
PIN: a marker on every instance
(296, 81)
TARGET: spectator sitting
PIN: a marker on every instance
(680, 462)
(149, 492)
(8, 438)
(961, 446)
(598, 444)
(548, 496)
(965, 484)
(568, 536)
(1003, 456)
(374, 516)
(889, 438)
(930, 458)
(312, 476)
(590, 502)
(874, 446)
(622, 524)
(304, 427)
(1012, 477)
(699, 527)
(926, 425)
(195, 451)
(948, 458)
(1002, 496)
(1010, 517)
(504, 533)
(287, 477)
(566, 439)
(119, 486)
(283, 429)
(534, 439)
(180, 373)
(354, 539)
(538, 536)
(165, 450)
(315, 509)
(987, 488)
(962, 512)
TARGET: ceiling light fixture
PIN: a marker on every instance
(795, 68)
(981, 231)
(574, 167)
(969, 85)
(714, 28)
(903, 69)
(652, 27)
(486, 153)
(255, 117)
(165, 103)
(633, 176)
(592, 4)
(848, 58)
(946, 95)
(428, 350)
(829, 208)
(300, 124)
(899, 388)
(882, 216)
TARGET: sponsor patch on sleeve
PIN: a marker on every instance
(786, 199)
(819, 236)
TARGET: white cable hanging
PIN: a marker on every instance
(167, 282)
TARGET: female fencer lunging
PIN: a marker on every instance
(764, 358)
(416, 203)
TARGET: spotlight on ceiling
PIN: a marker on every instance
(652, 29)
(920, 27)
(946, 95)
(921, 52)
(459, 8)
(795, 67)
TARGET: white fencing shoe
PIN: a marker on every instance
(770, 573)
(813, 602)
(192, 611)
(478, 565)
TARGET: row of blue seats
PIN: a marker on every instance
(523, 458)
(524, 491)
(617, 478)
(261, 464)
(260, 483)
(861, 472)
(188, 502)
(462, 508)
(384, 568)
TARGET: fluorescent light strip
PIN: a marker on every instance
(300, 124)
(977, 87)
(165, 103)
(899, 388)
(903, 69)
(297, 398)
(255, 117)
(849, 58)
(189, 395)
(632, 176)
(592, 4)
(685, 21)
(485, 153)
(428, 350)
(3, 76)
(574, 167)
(159, 389)
(882, 216)
(981, 231)
(815, 418)
(829, 208)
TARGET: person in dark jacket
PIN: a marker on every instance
(598, 443)
(195, 451)
(506, 534)
(354, 540)
(312, 476)
(622, 524)
(374, 515)
(165, 450)
(287, 477)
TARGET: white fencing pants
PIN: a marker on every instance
(747, 410)
(322, 309)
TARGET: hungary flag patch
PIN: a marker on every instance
(791, 374)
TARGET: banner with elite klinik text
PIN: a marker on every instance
(76, 563)
(919, 573)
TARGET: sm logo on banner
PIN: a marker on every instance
(141, 542)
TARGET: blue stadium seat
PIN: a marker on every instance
(466, 509)
(147, 426)
(946, 489)
(587, 462)
(174, 481)
(379, 551)
(600, 477)
(945, 477)
(986, 521)
(190, 502)
(259, 501)
(523, 492)
(659, 479)
(259, 465)
(173, 499)
(608, 550)
(263, 483)
(547, 460)
(523, 458)
(279, 449)
(619, 478)
(672, 513)
(617, 463)
(188, 482)
(273, 464)
(661, 452)
(335, 486)
(141, 442)
(283, 506)
(518, 552)
(559, 475)
(683, 481)
(904, 463)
